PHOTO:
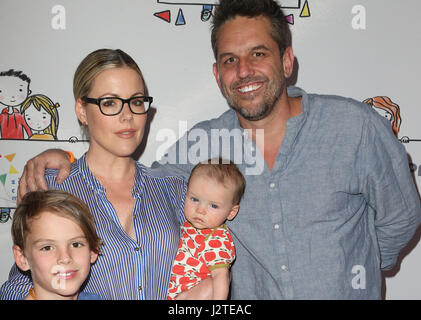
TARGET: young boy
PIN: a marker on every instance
(54, 237)
(206, 248)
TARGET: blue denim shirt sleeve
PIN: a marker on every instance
(388, 186)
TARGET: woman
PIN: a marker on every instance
(137, 211)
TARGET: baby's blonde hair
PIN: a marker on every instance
(225, 172)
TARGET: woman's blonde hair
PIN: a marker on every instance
(98, 61)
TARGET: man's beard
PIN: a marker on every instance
(270, 98)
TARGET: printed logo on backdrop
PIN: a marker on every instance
(9, 180)
(392, 112)
(205, 9)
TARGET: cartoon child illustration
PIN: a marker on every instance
(390, 110)
(41, 116)
(14, 89)
(206, 13)
(4, 214)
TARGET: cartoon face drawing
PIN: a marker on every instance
(284, 3)
(41, 115)
(384, 113)
(4, 215)
(37, 120)
(182, 2)
(14, 88)
(388, 109)
(13, 91)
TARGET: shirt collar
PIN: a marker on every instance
(96, 186)
(205, 232)
(139, 178)
(88, 176)
(294, 124)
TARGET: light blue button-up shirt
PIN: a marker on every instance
(337, 207)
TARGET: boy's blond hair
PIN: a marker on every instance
(57, 202)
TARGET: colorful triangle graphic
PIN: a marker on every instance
(305, 13)
(13, 170)
(3, 178)
(180, 18)
(290, 19)
(10, 157)
(164, 15)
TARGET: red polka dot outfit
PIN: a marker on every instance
(199, 252)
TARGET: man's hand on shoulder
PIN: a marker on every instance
(32, 178)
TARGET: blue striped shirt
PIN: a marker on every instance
(126, 268)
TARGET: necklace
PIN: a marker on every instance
(32, 294)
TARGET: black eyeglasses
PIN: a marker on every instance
(111, 106)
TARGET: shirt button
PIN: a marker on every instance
(134, 216)
(284, 268)
(136, 249)
(139, 288)
(276, 226)
(272, 185)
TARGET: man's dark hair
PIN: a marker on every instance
(13, 73)
(229, 9)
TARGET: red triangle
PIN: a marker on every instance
(164, 15)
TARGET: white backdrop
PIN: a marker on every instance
(355, 48)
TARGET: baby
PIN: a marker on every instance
(54, 237)
(206, 248)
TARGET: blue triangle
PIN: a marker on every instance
(180, 18)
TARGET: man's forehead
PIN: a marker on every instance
(240, 29)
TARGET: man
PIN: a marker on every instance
(334, 201)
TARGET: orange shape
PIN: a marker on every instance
(10, 157)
